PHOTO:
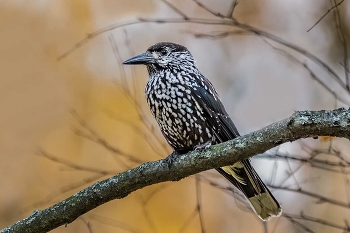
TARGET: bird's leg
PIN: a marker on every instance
(171, 158)
(203, 146)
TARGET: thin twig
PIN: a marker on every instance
(118, 58)
(149, 136)
(312, 74)
(343, 42)
(320, 199)
(292, 173)
(199, 204)
(133, 73)
(325, 14)
(189, 220)
(217, 14)
(114, 222)
(74, 166)
(174, 8)
(62, 190)
(93, 136)
(147, 213)
(305, 217)
(311, 161)
(232, 8)
(87, 224)
(302, 226)
(265, 224)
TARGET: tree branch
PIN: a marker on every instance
(301, 124)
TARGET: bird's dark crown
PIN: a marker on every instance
(158, 47)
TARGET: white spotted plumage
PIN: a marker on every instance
(191, 115)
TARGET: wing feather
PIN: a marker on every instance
(224, 130)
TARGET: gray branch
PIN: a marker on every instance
(301, 124)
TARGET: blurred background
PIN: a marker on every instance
(70, 119)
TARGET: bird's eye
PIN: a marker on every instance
(163, 52)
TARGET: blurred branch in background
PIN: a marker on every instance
(325, 14)
(342, 39)
(230, 22)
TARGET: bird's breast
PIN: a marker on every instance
(178, 114)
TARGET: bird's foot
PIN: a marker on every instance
(171, 158)
(203, 146)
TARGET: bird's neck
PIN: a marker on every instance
(160, 80)
(157, 71)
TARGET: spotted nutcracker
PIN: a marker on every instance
(191, 115)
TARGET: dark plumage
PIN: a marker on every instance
(190, 114)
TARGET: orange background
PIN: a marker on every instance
(39, 96)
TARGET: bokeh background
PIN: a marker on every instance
(66, 123)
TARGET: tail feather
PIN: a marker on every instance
(243, 176)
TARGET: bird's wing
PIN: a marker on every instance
(224, 130)
(241, 174)
(218, 119)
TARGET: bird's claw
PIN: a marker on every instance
(203, 146)
(171, 158)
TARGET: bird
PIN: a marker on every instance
(191, 116)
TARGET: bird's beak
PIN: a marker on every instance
(141, 59)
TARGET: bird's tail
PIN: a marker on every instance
(243, 176)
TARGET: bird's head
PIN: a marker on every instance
(164, 55)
